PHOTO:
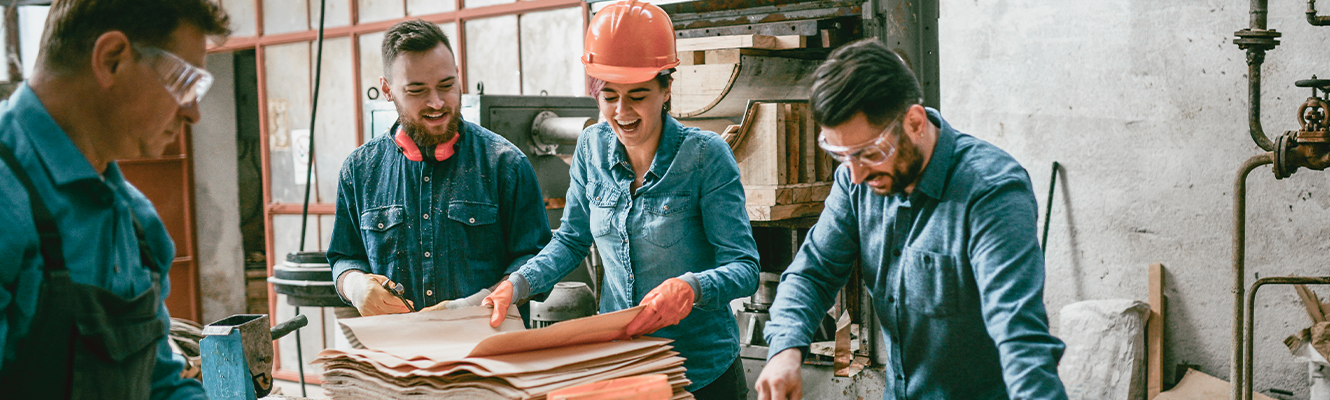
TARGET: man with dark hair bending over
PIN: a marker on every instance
(942, 226)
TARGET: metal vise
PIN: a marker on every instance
(237, 355)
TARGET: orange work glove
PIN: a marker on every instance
(666, 305)
(500, 299)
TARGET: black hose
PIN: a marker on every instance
(309, 172)
(1048, 213)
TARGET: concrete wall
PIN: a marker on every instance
(1144, 104)
(216, 208)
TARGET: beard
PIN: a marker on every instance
(420, 134)
(908, 167)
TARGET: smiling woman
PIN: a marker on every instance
(639, 181)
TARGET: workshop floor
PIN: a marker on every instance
(292, 389)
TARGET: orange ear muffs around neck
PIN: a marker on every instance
(412, 152)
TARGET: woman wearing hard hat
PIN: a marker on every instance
(661, 201)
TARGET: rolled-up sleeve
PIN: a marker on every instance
(820, 268)
(1009, 271)
(346, 250)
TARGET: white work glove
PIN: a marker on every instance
(366, 292)
(469, 301)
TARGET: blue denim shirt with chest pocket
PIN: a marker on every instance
(954, 270)
(443, 229)
(688, 217)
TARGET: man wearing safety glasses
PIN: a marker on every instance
(84, 257)
(942, 227)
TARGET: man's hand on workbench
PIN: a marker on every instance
(781, 379)
(366, 292)
(500, 299)
(666, 305)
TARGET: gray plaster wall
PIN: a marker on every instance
(216, 203)
(1144, 104)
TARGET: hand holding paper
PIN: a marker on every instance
(666, 305)
(366, 292)
(500, 299)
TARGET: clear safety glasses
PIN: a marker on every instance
(872, 153)
(186, 82)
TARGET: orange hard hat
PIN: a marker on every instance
(629, 42)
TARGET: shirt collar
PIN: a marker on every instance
(56, 152)
(671, 137)
(934, 179)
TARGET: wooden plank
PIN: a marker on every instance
(808, 143)
(791, 42)
(785, 211)
(760, 166)
(698, 86)
(742, 42)
(1310, 302)
(691, 58)
(790, 131)
(721, 56)
(786, 194)
(1154, 334)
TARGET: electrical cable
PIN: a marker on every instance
(1048, 213)
(309, 172)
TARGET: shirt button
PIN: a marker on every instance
(427, 254)
(896, 252)
(667, 208)
(429, 292)
(472, 220)
(380, 225)
(426, 216)
(427, 179)
(890, 299)
(625, 240)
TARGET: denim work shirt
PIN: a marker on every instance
(96, 229)
(443, 229)
(954, 271)
(688, 217)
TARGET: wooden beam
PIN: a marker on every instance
(1311, 302)
(1154, 334)
(742, 42)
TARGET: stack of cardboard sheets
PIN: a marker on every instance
(456, 354)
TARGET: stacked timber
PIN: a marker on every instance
(754, 89)
(456, 354)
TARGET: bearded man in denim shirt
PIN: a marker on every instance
(442, 206)
(942, 226)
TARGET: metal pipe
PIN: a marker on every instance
(1254, 60)
(1311, 15)
(1246, 383)
(1258, 11)
(1239, 254)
